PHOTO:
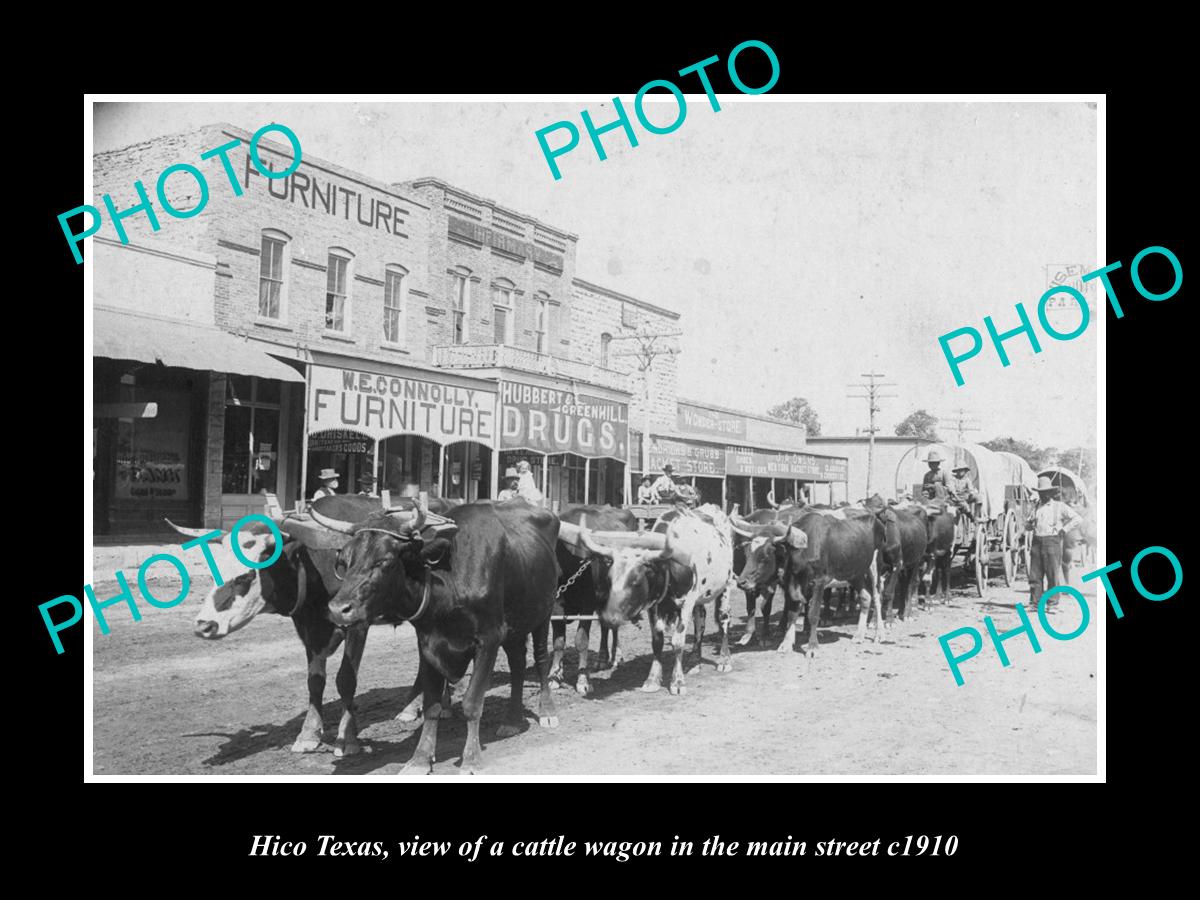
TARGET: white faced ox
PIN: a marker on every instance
(237, 595)
(669, 575)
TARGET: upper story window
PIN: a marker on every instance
(337, 291)
(502, 311)
(395, 288)
(460, 304)
(543, 322)
(272, 284)
(605, 340)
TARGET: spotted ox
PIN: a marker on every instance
(671, 574)
(480, 579)
(298, 586)
(584, 584)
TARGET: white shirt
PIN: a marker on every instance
(527, 489)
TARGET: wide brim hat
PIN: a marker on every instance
(1045, 484)
(934, 456)
(510, 472)
(668, 468)
(327, 474)
(961, 467)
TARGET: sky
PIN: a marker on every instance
(804, 243)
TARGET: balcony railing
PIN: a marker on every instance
(497, 356)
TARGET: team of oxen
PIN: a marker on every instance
(472, 579)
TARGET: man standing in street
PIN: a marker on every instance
(1051, 519)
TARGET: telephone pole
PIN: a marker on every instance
(961, 423)
(649, 345)
(872, 396)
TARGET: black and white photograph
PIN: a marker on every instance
(539, 439)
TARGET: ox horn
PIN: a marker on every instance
(568, 533)
(586, 537)
(331, 523)
(188, 532)
(740, 525)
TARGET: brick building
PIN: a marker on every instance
(405, 335)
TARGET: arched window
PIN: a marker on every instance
(272, 276)
(395, 303)
(502, 310)
(543, 321)
(460, 304)
(337, 290)
(605, 340)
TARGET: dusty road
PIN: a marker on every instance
(166, 702)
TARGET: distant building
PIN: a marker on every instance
(889, 450)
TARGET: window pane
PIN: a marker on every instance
(501, 333)
(264, 263)
(237, 387)
(458, 328)
(266, 391)
(235, 469)
(264, 297)
(391, 325)
(333, 312)
(265, 438)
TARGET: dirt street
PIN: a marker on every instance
(167, 702)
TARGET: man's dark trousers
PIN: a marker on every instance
(1045, 561)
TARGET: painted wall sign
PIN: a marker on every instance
(698, 420)
(771, 464)
(381, 406)
(552, 421)
(490, 237)
(686, 457)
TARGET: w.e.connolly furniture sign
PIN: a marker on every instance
(381, 406)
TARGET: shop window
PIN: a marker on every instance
(251, 459)
(605, 340)
(460, 304)
(394, 304)
(337, 291)
(628, 316)
(543, 323)
(502, 311)
(272, 284)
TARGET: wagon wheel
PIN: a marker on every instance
(1010, 547)
(981, 558)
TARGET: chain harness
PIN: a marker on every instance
(570, 581)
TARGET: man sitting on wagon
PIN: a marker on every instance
(962, 488)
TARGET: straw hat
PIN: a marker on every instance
(510, 472)
(327, 475)
(935, 456)
(1045, 484)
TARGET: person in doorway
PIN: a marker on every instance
(665, 487)
(366, 485)
(646, 494)
(329, 484)
(512, 481)
(1051, 520)
(525, 486)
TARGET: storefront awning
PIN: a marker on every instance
(127, 335)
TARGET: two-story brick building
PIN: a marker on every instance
(408, 336)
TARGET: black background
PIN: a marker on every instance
(206, 829)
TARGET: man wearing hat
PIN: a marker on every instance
(665, 486)
(366, 485)
(511, 480)
(329, 483)
(1051, 519)
(936, 482)
(962, 491)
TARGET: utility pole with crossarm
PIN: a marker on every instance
(648, 346)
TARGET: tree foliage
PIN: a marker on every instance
(918, 424)
(798, 410)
